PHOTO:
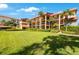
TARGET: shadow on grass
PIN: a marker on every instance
(52, 45)
(2, 50)
(29, 50)
(61, 42)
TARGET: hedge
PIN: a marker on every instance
(71, 28)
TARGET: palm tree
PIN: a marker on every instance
(67, 20)
(49, 20)
(61, 15)
(40, 13)
(52, 22)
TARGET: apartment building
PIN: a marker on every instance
(2, 22)
(23, 23)
(45, 21)
(41, 22)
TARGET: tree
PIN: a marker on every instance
(40, 13)
(3, 21)
(67, 20)
(52, 22)
(12, 22)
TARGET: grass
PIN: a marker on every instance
(13, 41)
(31, 42)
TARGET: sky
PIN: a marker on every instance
(30, 10)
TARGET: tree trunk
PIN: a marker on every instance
(66, 27)
(49, 24)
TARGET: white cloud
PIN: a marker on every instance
(30, 9)
(3, 6)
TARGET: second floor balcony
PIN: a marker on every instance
(70, 16)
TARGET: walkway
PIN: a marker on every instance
(70, 35)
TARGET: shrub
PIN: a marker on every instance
(14, 29)
(34, 29)
(54, 31)
(31, 29)
(71, 28)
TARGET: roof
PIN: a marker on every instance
(23, 19)
(6, 17)
(73, 9)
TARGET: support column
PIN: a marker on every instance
(36, 23)
(59, 22)
(20, 24)
(45, 22)
(31, 25)
(40, 26)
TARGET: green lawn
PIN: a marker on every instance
(31, 42)
(13, 41)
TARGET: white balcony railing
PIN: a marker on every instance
(73, 16)
(70, 16)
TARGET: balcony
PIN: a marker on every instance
(70, 16)
(73, 16)
(33, 22)
(25, 25)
